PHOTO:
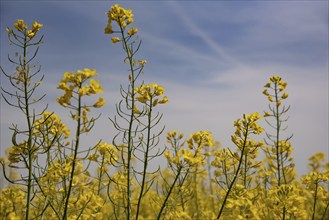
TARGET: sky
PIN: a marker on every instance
(213, 58)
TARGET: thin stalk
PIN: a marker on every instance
(277, 133)
(325, 211)
(315, 197)
(100, 176)
(245, 172)
(130, 143)
(145, 159)
(196, 199)
(74, 159)
(169, 193)
(210, 185)
(29, 141)
(235, 176)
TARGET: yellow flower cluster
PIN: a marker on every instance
(20, 25)
(286, 197)
(90, 203)
(57, 171)
(241, 199)
(149, 93)
(316, 161)
(73, 83)
(200, 139)
(122, 17)
(278, 85)
(173, 159)
(245, 126)
(315, 177)
(52, 124)
(17, 153)
(12, 203)
(225, 160)
(186, 157)
(173, 136)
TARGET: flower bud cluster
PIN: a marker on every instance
(52, 124)
(193, 156)
(123, 17)
(200, 139)
(73, 84)
(278, 86)
(245, 126)
(21, 26)
(151, 93)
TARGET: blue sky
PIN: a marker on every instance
(213, 57)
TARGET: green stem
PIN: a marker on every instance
(145, 159)
(196, 201)
(277, 133)
(74, 159)
(315, 197)
(325, 211)
(169, 193)
(29, 141)
(130, 143)
(245, 172)
(236, 174)
(210, 185)
(100, 176)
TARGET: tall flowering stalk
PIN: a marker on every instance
(136, 109)
(184, 162)
(279, 149)
(23, 81)
(75, 87)
(149, 96)
(243, 129)
(123, 18)
(316, 182)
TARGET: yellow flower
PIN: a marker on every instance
(20, 25)
(120, 15)
(149, 91)
(281, 88)
(275, 79)
(136, 110)
(99, 103)
(164, 100)
(84, 90)
(142, 62)
(108, 28)
(95, 87)
(132, 31)
(266, 114)
(284, 96)
(93, 157)
(267, 85)
(130, 20)
(155, 102)
(265, 92)
(30, 34)
(115, 40)
(36, 26)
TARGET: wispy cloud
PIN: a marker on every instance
(203, 35)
